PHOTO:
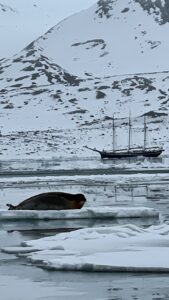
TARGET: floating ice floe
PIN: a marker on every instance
(84, 213)
(109, 249)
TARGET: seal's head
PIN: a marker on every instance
(80, 200)
(76, 202)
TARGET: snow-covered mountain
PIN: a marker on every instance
(23, 21)
(6, 9)
(115, 37)
(110, 58)
(112, 37)
(15, 25)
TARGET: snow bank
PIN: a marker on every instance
(84, 213)
(117, 248)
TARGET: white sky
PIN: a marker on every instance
(33, 18)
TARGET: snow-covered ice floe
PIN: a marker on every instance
(84, 213)
(119, 248)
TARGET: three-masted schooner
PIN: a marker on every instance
(130, 151)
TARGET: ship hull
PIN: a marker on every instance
(128, 154)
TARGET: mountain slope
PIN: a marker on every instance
(115, 37)
(64, 86)
(22, 21)
(112, 37)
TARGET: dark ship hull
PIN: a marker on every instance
(148, 152)
(128, 154)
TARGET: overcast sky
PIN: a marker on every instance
(32, 19)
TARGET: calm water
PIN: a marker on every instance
(20, 280)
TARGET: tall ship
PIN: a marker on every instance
(129, 151)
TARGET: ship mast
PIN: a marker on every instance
(145, 132)
(114, 134)
(129, 141)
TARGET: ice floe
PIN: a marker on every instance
(84, 213)
(117, 248)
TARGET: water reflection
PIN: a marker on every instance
(154, 161)
(93, 165)
(72, 285)
(41, 229)
(136, 287)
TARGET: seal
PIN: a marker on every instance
(51, 201)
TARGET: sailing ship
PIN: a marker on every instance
(130, 151)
